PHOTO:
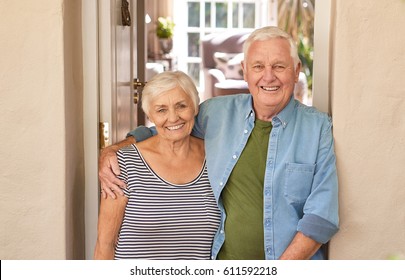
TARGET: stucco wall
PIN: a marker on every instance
(40, 102)
(368, 106)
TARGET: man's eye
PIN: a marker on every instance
(257, 67)
(278, 67)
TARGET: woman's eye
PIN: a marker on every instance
(181, 106)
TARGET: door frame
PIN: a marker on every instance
(90, 121)
(98, 49)
(321, 88)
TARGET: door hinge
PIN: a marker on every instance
(125, 14)
(104, 134)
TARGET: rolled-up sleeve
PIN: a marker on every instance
(142, 133)
(321, 219)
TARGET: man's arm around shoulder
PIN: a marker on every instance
(108, 168)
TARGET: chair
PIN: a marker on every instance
(221, 56)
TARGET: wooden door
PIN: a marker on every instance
(123, 58)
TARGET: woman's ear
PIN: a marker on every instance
(147, 116)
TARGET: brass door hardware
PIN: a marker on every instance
(125, 14)
(138, 86)
(104, 134)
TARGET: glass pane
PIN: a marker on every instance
(235, 15)
(193, 44)
(193, 14)
(207, 14)
(221, 16)
(249, 15)
(193, 70)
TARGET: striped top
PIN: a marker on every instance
(164, 220)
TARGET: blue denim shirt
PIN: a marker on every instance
(300, 185)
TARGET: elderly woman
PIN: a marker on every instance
(169, 210)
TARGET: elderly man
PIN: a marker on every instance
(270, 160)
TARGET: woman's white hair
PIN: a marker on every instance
(165, 81)
(270, 32)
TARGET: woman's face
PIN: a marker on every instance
(173, 114)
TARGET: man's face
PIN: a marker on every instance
(269, 71)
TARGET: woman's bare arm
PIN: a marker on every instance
(109, 224)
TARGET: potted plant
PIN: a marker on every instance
(164, 31)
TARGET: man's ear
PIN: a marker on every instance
(297, 71)
(242, 64)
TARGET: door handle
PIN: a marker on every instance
(125, 14)
(138, 86)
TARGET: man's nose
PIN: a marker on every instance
(269, 74)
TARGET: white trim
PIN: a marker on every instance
(322, 58)
(90, 121)
(106, 48)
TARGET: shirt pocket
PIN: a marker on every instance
(298, 182)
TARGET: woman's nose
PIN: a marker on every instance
(173, 115)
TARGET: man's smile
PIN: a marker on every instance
(274, 88)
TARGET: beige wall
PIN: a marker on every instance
(41, 173)
(368, 106)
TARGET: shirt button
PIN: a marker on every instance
(212, 257)
(222, 231)
(221, 183)
(245, 131)
(234, 156)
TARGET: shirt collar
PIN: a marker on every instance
(285, 115)
(249, 108)
(281, 118)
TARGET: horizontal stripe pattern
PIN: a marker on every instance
(164, 220)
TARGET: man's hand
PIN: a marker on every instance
(108, 169)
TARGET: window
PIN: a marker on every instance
(203, 17)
